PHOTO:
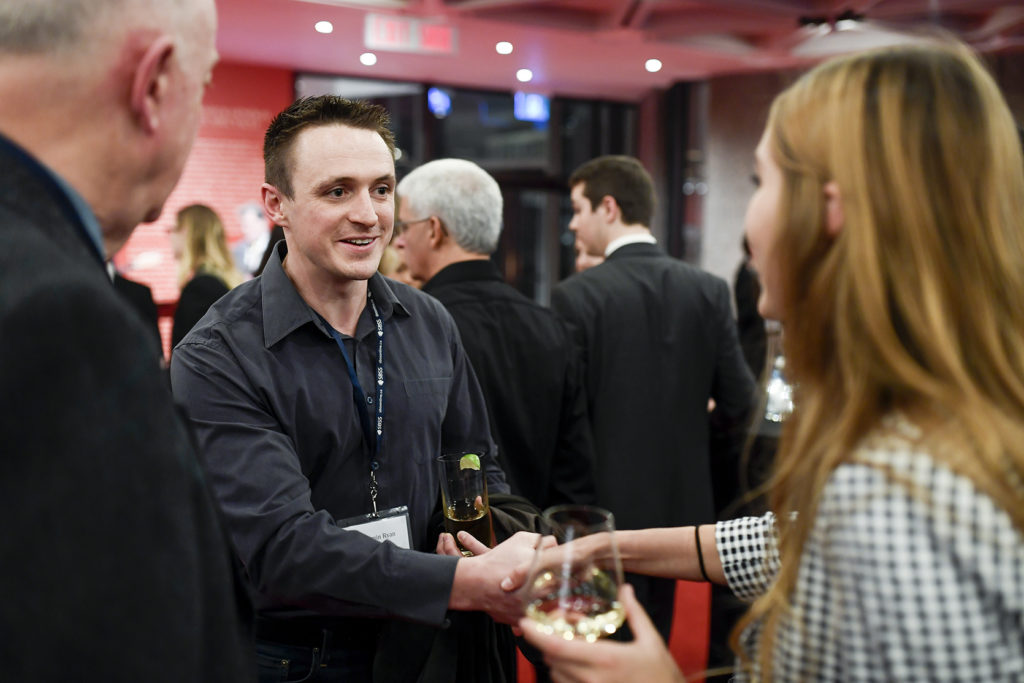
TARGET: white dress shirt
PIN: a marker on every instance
(644, 237)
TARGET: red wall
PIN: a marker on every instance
(224, 170)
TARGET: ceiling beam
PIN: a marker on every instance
(623, 14)
(1002, 19)
(784, 7)
(485, 5)
(364, 4)
(697, 23)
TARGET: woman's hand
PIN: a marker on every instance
(576, 661)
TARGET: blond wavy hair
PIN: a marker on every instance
(206, 246)
(915, 305)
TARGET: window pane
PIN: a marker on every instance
(404, 102)
(483, 127)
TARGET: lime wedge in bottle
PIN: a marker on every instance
(470, 461)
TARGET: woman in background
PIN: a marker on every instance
(888, 231)
(585, 260)
(206, 270)
(393, 265)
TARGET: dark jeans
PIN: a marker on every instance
(277, 662)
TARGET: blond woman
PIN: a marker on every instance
(206, 270)
(888, 230)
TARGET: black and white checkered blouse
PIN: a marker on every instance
(907, 575)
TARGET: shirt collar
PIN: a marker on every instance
(75, 208)
(88, 218)
(463, 271)
(284, 311)
(388, 302)
(634, 238)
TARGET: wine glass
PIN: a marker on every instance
(778, 392)
(573, 585)
(464, 497)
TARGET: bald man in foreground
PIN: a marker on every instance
(113, 565)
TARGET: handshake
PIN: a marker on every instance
(566, 580)
(561, 597)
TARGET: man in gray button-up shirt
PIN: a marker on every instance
(289, 434)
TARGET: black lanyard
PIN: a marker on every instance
(360, 397)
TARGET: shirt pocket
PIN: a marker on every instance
(421, 387)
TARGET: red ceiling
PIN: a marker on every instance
(593, 48)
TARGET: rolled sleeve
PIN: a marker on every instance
(748, 550)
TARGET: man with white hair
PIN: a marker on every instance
(113, 565)
(449, 225)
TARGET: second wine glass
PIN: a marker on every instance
(573, 586)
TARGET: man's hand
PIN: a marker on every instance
(446, 544)
(576, 661)
(480, 580)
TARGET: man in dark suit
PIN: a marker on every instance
(749, 323)
(140, 297)
(660, 342)
(529, 370)
(276, 235)
(113, 566)
(449, 223)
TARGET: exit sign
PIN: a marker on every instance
(404, 34)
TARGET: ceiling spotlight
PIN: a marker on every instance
(524, 75)
(368, 59)
(503, 48)
(811, 21)
(324, 27)
(653, 65)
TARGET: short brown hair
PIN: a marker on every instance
(306, 112)
(622, 178)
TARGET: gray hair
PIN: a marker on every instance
(464, 196)
(61, 26)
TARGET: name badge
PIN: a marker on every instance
(389, 525)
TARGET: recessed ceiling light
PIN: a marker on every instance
(368, 59)
(653, 65)
(324, 27)
(503, 48)
(524, 75)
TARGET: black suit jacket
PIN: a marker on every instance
(749, 323)
(531, 377)
(198, 294)
(659, 340)
(140, 296)
(276, 235)
(113, 566)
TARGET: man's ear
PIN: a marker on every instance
(151, 82)
(273, 201)
(611, 208)
(437, 233)
(833, 209)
